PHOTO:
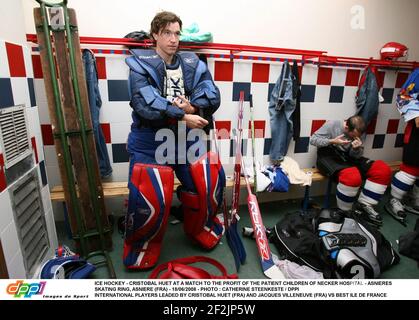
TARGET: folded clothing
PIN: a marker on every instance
(294, 173)
(279, 180)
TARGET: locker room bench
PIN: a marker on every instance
(119, 189)
(110, 189)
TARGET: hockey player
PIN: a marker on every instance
(407, 179)
(169, 89)
(339, 155)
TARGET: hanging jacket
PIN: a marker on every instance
(367, 100)
(147, 88)
(296, 91)
(95, 103)
(281, 107)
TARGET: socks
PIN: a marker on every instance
(402, 183)
(349, 182)
(345, 196)
(372, 193)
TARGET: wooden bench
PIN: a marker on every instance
(115, 189)
(120, 189)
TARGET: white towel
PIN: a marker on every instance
(295, 174)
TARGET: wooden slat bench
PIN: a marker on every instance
(119, 189)
(114, 189)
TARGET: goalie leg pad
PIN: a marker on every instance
(150, 197)
(200, 208)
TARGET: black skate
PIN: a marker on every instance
(368, 213)
(396, 209)
(412, 205)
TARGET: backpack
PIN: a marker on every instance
(296, 239)
(66, 265)
(181, 269)
(356, 249)
(337, 243)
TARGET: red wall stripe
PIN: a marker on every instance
(16, 60)
(371, 126)
(101, 67)
(352, 77)
(393, 125)
(315, 125)
(324, 76)
(260, 72)
(223, 71)
(37, 68)
(47, 137)
(106, 129)
(259, 128)
(223, 129)
(35, 150)
(3, 183)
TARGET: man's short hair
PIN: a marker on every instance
(356, 123)
(161, 20)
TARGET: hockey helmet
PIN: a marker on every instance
(393, 51)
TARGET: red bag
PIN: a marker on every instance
(180, 269)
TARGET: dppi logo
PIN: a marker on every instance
(27, 290)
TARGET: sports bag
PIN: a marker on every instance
(66, 265)
(356, 249)
(295, 237)
(334, 242)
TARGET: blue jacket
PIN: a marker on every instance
(146, 83)
(408, 98)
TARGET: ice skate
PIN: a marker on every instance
(368, 213)
(396, 209)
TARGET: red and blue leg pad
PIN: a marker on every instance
(200, 208)
(150, 197)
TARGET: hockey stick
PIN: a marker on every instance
(237, 161)
(252, 131)
(233, 239)
(232, 232)
(269, 268)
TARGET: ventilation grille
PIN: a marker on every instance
(15, 134)
(30, 221)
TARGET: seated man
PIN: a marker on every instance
(339, 155)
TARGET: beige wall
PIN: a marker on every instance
(12, 21)
(306, 24)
